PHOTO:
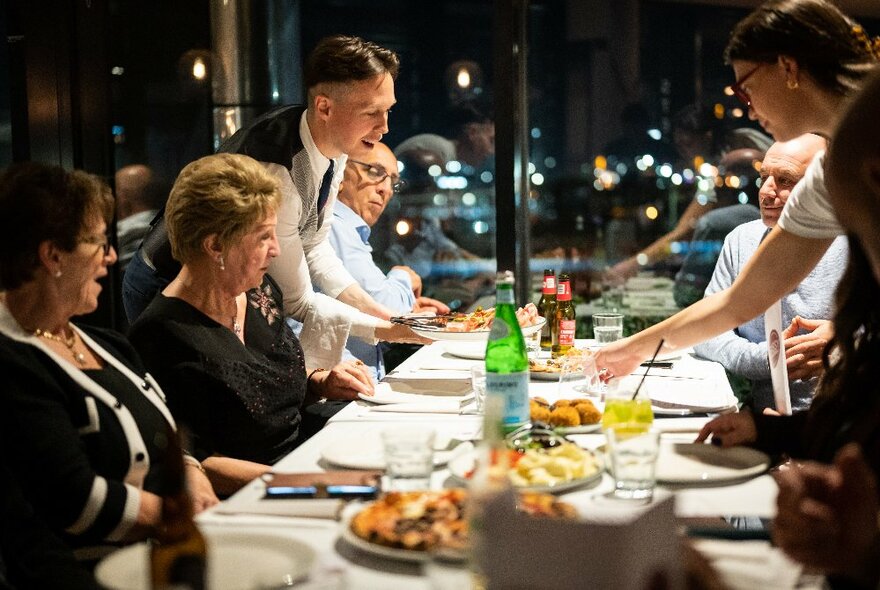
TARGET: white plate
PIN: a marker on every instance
(690, 463)
(551, 376)
(366, 452)
(465, 462)
(583, 429)
(473, 336)
(236, 560)
(472, 351)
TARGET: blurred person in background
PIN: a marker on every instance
(736, 206)
(82, 425)
(699, 137)
(743, 351)
(139, 197)
(233, 371)
(371, 179)
(471, 142)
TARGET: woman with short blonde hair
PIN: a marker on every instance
(225, 194)
(215, 337)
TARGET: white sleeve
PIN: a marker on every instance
(326, 321)
(327, 271)
(808, 213)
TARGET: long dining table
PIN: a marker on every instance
(744, 564)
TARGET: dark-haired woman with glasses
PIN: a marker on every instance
(81, 423)
(796, 63)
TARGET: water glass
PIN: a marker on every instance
(409, 457)
(607, 327)
(633, 462)
(478, 383)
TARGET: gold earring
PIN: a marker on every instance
(791, 84)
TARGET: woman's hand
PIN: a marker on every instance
(730, 430)
(827, 516)
(618, 359)
(201, 492)
(344, 381)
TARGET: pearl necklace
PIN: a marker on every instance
(70, 343)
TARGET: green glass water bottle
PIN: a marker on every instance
(507, 364)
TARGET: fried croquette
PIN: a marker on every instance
(588, 413)
(564, 416)
(539, 413)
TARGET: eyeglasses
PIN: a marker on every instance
(103, 241)
(737, 88)
(378, 174)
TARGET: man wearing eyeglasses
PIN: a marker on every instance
(371, 179)
(350, 92)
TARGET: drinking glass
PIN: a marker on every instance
(409, 457)
(478, 383)
(633, 462)
(607, 327)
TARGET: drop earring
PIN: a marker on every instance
(222, 264)
(791, 84)
(57, 274)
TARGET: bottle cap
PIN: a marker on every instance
(504, 276)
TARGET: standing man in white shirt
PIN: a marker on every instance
(371, 179)
(350, 86)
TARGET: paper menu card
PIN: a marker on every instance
(776, 357)
(626, 553)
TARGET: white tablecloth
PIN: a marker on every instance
(755, 497)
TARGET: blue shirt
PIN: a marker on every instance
(743, 351)
(349, 236)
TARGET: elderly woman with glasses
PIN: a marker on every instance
(796, 63)
(82, 425)
(215, 337)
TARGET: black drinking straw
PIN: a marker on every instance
(648, 368)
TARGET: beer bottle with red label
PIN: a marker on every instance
(547, 308)
(563, 334)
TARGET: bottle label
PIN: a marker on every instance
(566, 332)
(549, 285)
(514, 389)
(504, 296)
(563, 293)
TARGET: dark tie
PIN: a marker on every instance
(324, 191)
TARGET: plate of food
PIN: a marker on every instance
(408, 526)
(569, 366)
(570, 416)
(555, 469)
(469, 327)
(236, 559)
(698, 463)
